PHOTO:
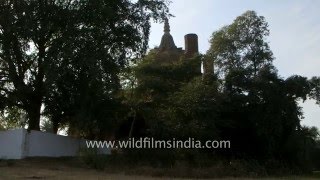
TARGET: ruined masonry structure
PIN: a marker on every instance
(168, 52)
(168, 48)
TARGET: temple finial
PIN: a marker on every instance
(166, 26)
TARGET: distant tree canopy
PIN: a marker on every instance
(65, 55)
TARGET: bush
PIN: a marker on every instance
(92, 159)
(160, 158)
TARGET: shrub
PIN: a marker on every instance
(92, 159)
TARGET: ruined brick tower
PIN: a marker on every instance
(191, 45)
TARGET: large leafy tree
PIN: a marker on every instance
(260, 107)
(60, 53)
(242, 45)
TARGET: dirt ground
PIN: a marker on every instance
(65, 170)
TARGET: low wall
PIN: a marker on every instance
(12, 144)
(19, 144)
(51, 145)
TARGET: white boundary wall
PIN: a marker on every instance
(19, 144)
(11, 144)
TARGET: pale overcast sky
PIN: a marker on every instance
(294, 33)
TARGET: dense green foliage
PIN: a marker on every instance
(11, 118)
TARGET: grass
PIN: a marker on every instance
(316, 174)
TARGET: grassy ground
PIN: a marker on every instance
(69, 169)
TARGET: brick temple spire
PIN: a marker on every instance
(167, 42)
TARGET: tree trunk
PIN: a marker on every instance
(132, 124)
(55, 125)
(34, 117)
